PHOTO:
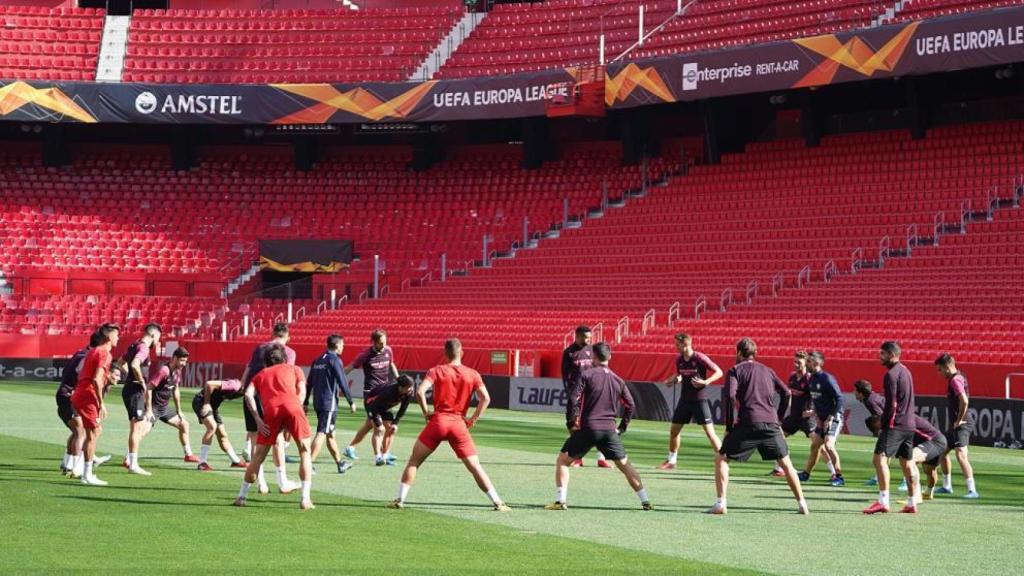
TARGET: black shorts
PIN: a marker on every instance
(697, 411)
(197, 407)
(65, 410)
(607, 442)
(250, 422)
(933, 449)
(326, 420)
(740, 442)
(833, 429)
(959, 437)
(379, 417)
(794, 424)
(895, 442)
(164, 412)
(134, 401)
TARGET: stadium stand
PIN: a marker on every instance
(920, 9)
(771, 215)
(40, 43)
(261, 46)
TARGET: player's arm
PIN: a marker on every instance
(394, 370)
(785, 396)
(208, 391)
(729, 399)
(837, 394)
(421, 396)
(889, 407)
(483, 400)
(177, 401)
(401, 411)
(716, 374)
(300, 385)
(626, 399)
(962, 414)
(339, 373)
(250, 402)
(98, 382)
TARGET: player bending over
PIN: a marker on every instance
(385, 422)
(206, 406)
(454, 385)
(378, 365)
(165, 386)
(593, 405)
(282, 388)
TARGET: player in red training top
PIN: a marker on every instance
(454, 385)
(281, 388)
(87, 399)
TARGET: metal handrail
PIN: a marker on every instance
(321, 307)
(751, 291)
(621, 329)
(425, 278)
(726, 295)
(884, 247)
(673, 314)
(407, 283)
(340, 301)
(938, 226)
(1008, 378)
(299, 314)
(965, 215)
(856, 260)
(384, 291)
(778, 283)
(647, 322)
(680, 11)
(279, 318)
(803, 276)
(234, 332)
(598, 330)
(701, 305)
(363, 295)
(911, 238)
(830, 271)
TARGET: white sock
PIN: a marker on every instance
(831, 467)
(720, 503)
(307, 485)
(248, 449)
(65, 460)
(78, 464)
(282, 477)
(642, 495)
(379, 456)
(883, 497)
(947, 481)
(233, 457)
(244, 492)
(970, 485)
(261, 479)
(87, 473)
(561, 492)
(204, 452)
(600, 456)
(493, 495)
(133, 459)
(403, 491)
(188, 448)
(802, 504)
(673, 457)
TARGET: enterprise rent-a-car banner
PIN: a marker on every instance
(995, 419)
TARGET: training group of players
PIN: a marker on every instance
(760, 411)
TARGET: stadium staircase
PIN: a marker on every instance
(113, 48)
(447, 46)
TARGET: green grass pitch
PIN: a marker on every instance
(180, 520)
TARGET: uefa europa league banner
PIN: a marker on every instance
(975, 40)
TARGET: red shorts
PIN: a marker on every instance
(88, 409)
(285, 418)
(450, 428)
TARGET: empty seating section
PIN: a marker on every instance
(711, 25)
(246, 46)
(38, 43)
(920, 9)
(116, 212)
(537, 36)
(760, 217)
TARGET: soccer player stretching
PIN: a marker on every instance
(87, 398)
(752, 422)
(593, 405)
(73, 464)
(137, 397)
(694, 373)
(576, 358)
(327, 383)
(896, 438)
(385, 423)
(165, 386)
(828, 407)
(454, 385)
(206, 406)
(282, 388)
(378, 364)
(961, 425)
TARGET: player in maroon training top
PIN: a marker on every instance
(577, 358)
(929, 448)
(752, 423)
(694, 372)
(137, 397)
(378, 365)
(896, 438)
(801, 411)
(875, 405)
(960, 426)
(165, 384)
(593, 405)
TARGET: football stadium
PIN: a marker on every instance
(512, 287)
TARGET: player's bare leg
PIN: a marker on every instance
(968, 470)
(305, 473)
(250, 444)
(633, 478)
(913, 484)
(881, 462)
(350, 450)
(721, 485)
(377, 443)
(815, 453)
(709, 431)
(284, 485)
(483, 481)
(389, 437)
(794, 483)
(89, 453)
(136, 432)
(674, 433)
(181, 425)
(420, 453)
(332, 448)
(562, 464)
(252, 472)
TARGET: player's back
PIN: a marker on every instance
(454, 386)
(278, 385)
